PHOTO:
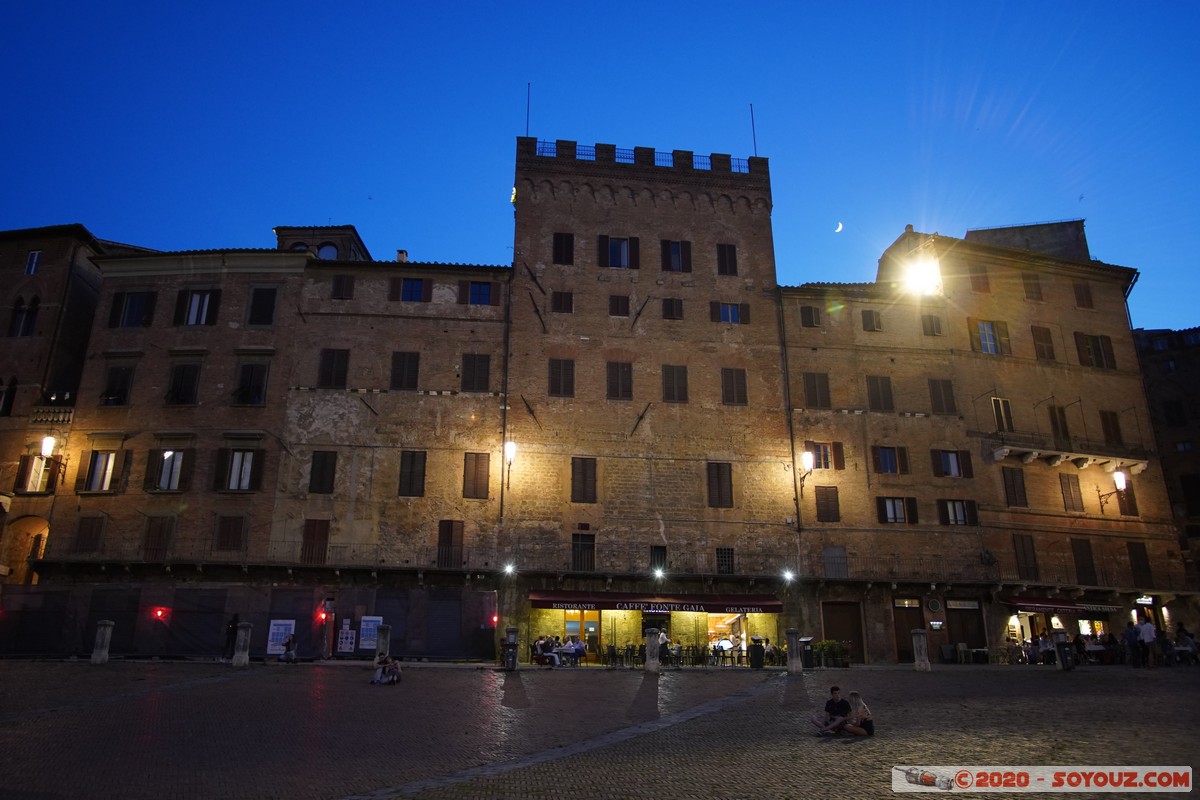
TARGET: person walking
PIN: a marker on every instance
(1147, 636)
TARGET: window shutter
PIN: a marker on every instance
(114, 313)
(56, 470)
(214, 304)
(1085, 358)
(635, 260)
(148, 309)
(685, 255)
(185, 469)
(153, 463)
(881, 509)
(935, 461)
(181, 301)
(1106, 347)
(964, 463)
(973, 330)
(221, 469)
(464, 292)
(902, 459)
(426, 290)
(24, 465)
(666, 255)
(744, 314)
(839, 456)
(910, 510)
(494, 295)
(876, 460)
(1005, 341)
(868, 319)
(395, 288)
(85, 463)
(943, 512)
(972, 513)
(256, 469)
(602, 250)
(714, 311)
(810, 446)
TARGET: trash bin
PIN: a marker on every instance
(509, 654)
(757, 653)
(806, 652)
(1064, 650)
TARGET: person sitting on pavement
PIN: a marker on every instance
(859, 721)
(387, 670)
(830, 720)
(289, 649)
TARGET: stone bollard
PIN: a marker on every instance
(795, 658)
(652, 664)
(104, 629)
(241, 648)
(920, 650)
(383, 640)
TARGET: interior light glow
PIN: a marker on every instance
(1119, 481)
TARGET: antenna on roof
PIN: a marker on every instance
(753, 134)
(527, 110)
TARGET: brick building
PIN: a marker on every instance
(607, 435)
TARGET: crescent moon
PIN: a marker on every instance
(839, 228)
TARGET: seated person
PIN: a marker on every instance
(832, 719)
(859, 721)
(580, 650)
(387, 670)
(547, 653)
(289, 649)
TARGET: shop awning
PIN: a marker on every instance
(1051, 605)
(657, 604)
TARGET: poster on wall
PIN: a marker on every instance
(346, 638)
(280, 629)
(368, 632)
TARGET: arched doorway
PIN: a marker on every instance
(24, 538)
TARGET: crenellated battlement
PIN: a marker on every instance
(680, 161)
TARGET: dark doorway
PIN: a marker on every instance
(843, 622)
(905, 619)
(965, 625)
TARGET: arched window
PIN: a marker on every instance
(24, 318)
(31, 312)
(327, 251)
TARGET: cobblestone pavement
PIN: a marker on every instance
(207, 730)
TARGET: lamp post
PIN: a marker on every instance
(510, 452)
(1119, 483)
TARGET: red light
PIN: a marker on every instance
(495, 619)
(321, 616)
(159, 613)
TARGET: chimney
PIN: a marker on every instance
(402, 256)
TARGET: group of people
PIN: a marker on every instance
(552, 650)
(1149, 646)
(387, 670)
(844, 715)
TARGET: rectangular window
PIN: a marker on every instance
(672, 308)
(1110, 424)
(1174, 413)
(990, 337)
(157, 538)
(230, 534)
(165, 470)
(101, 465)
(412, 290)
(262, 306)
(37, 474)
(583, 552)
(725, 563)
(131, 310)
(1033, 285)
(620, 380)
(676, 256)
(1127, 501)
(1027, 566)
(1085, 565)
(816, 390)
(1043, 343)
(197, 307)
(658, 556)
(618, 305)
(1072, 497)
(239, 470)
(733, 386)
(24, 318)
(184, 385)
(117, 384)
(32, 259)
(475, 475)
(674, 382)
(331, 373)
(931, 325)
(1095, 351)
(872, 320)
(957, 512)
(406, 367)
(1014, 487)
(343, 287)
(480, 293)
(412, 474)
(563, 248)
(562, 302)
(475, 372)
(1002, 414)
(1058, 426)
(88, 535)
(1139, 565)
(251, 384)
(562, 377)
(979, 278)
(618, 253)
(730, 313)
(810, 316)
(836, 566)
(583, 480)
(941, 396)
(1083, 295)
(879, 393)
(896, 509)
(826, 455)
(324, 468)
(314, 547)
(827, 504)
(951, 463)
(450, 544)
(720, 484)
(890, 460)
(727, 259)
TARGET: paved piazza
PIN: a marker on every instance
(206, 730)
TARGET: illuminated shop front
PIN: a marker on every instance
(1033, 616)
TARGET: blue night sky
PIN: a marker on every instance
(186, 126)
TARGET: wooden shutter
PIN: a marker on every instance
(426, 290)
(910, 510)
(154, 460)
(395, 288)
(602, 250)
(221, 469)
(714, 311)
(666, 255)
(85, 463)
(827, 504)
(744, 314)
(685, 256)
(1110, 360)
(181, 302)
(839, 455)
(972, 512)
(1085, 356)
(214, 304)
(1003, 338)
(464, 292)
(256, 469)
(902, 460)
(943, 512)
(114, 313)
(935, 461)
(876, 459)
(186, 468)
(635, 261)
(964, 463)
(494, 295)
(881, 509)
(973, 331)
